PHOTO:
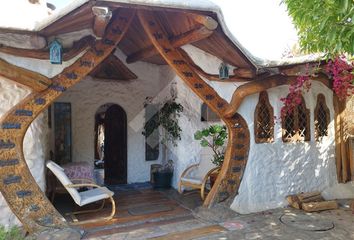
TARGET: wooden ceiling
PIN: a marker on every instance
(112, 69)
(176, 23)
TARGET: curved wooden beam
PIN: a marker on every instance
(23, 195)
(207, 21)
(211, 77)
(262, 85)
(102, 17)
(185, 38)
(236, 155)
(35, 81)
(78, 47)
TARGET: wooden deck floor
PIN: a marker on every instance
(172, 218)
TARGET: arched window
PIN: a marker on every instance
(296, 125)
(208, 115)
(321, 117)
(264, 120)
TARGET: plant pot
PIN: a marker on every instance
(162, 179)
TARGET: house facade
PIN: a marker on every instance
(132, 54)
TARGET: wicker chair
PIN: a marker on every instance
(94, 194)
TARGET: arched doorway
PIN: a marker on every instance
(111, 143)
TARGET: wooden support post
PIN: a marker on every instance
(185, 38)
(17, 185)
(32, 80)
(102, 17)
(230, 175)
(338, 137)
(341, 142)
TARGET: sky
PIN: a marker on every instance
(263, 27)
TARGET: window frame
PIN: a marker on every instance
(263, 101)
(296, 137)
(321, 100)
(208, 113)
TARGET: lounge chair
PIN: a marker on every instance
(197, 175)
(94, 194)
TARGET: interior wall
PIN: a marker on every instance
(34, 143)
(88, 95)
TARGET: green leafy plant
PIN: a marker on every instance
(166, 117)
(324, 25)
(213, 137)
(13, 233)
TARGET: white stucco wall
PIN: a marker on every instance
(34, 143)
(88, 95)
(275, 170)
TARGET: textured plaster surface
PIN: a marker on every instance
(34, 143)
(275, 170)
(87, 96)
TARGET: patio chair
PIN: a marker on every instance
(197, 175)
(94, 194)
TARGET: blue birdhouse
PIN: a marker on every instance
(223, 71)
(55, 52)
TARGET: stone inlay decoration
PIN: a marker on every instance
(17, 185)
(230, 176)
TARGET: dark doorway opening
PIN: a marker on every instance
(111, 143)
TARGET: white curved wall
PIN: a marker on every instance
(275, 170)
(34, 143)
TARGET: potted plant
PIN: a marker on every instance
(170, 132)
(213, 137)
(162, 176)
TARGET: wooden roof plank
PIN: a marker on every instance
(112, 68)
(178, 41)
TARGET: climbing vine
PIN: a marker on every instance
(342, 75)
(340, 71)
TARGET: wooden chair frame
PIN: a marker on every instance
(194, 185)
(72, 214)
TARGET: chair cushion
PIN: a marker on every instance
(205, 165)
(191, 180)
(94, 195)
(64, 180)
